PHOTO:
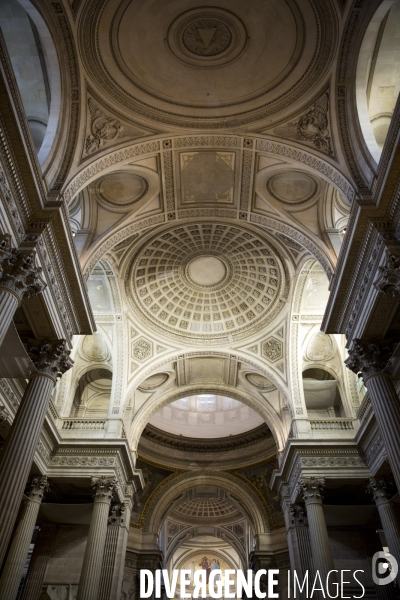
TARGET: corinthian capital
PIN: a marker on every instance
(369, 356)
(380, 490)
(297, 515)
(388, 280)
(18, 273)
(117, 514)
(311, 489)
(37, 488)
(104, 488)
(50, 357)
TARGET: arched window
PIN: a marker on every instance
(34, 61)
(378, 75)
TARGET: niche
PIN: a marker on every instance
(93, 395)
(321, 394)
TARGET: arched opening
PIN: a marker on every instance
(378, 77)
(93, 394)
(206, 416)
(321, 393)
(34, 60)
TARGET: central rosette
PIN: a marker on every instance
(206, 282)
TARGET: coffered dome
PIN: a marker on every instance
(206, 507)
(205, 282)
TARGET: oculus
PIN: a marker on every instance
(292, 188)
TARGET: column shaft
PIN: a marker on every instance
(15, 563)
(391, 528)
(112, 573)
(19, 451)
(386, 406)
(40, 558)
(8, 306)
(319, 540)
(93, 559)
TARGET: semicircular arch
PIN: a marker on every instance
(245, 498)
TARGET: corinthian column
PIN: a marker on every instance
(298, 543)
(92, 562)
(112, 573)
(19, 279)
(311, 490)
(16, 558)
(370, 357)
(39, 561)
(51, 359)
(387, 516)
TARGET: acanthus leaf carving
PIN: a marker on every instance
(388, 280)
(50, 357)
(18, 272)
(369, 357)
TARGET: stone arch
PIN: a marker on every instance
(44, 113)
(243, 496)
(113, 161)
(196, 530)
(157, 401)
(361, 164)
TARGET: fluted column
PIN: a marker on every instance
(370, 357)
(16, 558)
(322, 558)
(298, 542)
(51, 359)
(19, 279)
(39, 561)
(92, 562)
(112, 573)
(388, 518)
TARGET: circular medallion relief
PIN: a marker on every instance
(153, 382)
(122, 189)
(206, 281)
(211, 38)
(260, 382)
(207, 37)
(292, 188)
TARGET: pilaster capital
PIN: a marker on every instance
(4, 414)
(379, 490)
(311, 489)
(369, 357)
(117, 514)
(297, 516)
(37, 488)
(50, 357)
(104, 488)
(388, 280)
(18, 273)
